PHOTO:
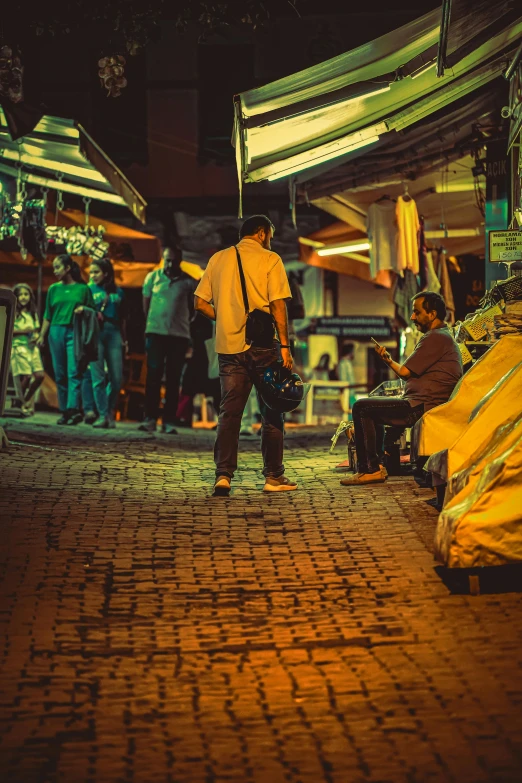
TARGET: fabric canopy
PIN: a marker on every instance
(133, 253)
(59, 154)
(342, 108)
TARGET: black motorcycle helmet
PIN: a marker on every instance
(282, 390)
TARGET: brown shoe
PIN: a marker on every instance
(222, 487)
(361, 479)
(279, 484)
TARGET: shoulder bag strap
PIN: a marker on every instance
(243, 284)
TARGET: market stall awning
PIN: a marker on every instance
(59, 154)
(342, 108)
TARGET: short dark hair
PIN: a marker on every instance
(432, 303)
(253, 224)
(175, 249)
(347, 349)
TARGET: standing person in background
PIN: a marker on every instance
(63, 299)
(108, 301)
(168, 296)
(219, 297)
(345, 371)
(26, 362)
(322, 371)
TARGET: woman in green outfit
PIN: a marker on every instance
(63, 298)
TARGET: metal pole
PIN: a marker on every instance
(39, 290)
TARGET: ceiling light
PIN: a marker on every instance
(300, 162)
(462, 187)
(53, 165)
(453, 233)
(424, 69)
(351, 247)
(66, 187)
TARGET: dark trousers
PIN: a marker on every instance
(164, 353)
(237, 373)
(370, 416)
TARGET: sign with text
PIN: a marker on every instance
(355, 327)
(505, 246)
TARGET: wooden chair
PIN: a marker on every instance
(135, 380)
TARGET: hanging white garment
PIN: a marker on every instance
(382, 230)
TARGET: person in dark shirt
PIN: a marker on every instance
(431, 373)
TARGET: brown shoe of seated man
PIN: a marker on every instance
(362, 479)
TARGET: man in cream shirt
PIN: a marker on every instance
(219, 297)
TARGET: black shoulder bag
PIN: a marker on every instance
(259, 332)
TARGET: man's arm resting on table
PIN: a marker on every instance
(204, 307)
(399, 369)
(280, 316)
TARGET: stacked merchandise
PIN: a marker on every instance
(510, 322)
(500, 314)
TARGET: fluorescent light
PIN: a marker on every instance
(351, 247)
(301, 163)
(424, 69)
(53, 165)
(66, 187)
(453, 233)
(463, 187)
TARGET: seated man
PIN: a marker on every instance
(431, 373)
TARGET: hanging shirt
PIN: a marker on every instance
(382, 229)
(408, 226)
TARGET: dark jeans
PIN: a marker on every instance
(163, 353)
(66, 374)
(238, 372)
(370, 416)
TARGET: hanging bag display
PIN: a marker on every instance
(259, 330)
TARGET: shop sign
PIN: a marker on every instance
(355, 327)
(505, 246)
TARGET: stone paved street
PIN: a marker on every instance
(153, 634)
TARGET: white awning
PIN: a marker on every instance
(59, 154)
(340, 109)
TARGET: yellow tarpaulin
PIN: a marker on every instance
(481, 526)
(439, 428)
(495, 410)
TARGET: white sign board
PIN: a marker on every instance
(505, 246)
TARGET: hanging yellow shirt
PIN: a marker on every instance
(408, 226)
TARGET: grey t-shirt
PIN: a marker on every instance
(171, 304)
(436, 366)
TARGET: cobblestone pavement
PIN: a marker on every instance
(152, 633)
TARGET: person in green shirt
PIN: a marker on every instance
(63, 299)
